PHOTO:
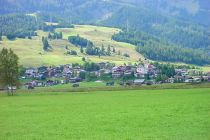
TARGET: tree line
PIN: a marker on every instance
(86, 46)
(51, 28)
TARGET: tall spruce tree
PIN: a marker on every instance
(0, 36)
(46, 45)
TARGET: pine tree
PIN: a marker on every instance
(49, 36)
(43, 39)
(81, 50)
(119, 53)
(29, 37)
(61, 35)
(108, 50)
(0, 36)
(66, 47)
(102, 49)
(46, 45)
(113, 50)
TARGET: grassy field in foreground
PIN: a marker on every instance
(127, 115)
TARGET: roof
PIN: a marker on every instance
(139, 80)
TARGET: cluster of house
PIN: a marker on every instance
(49, 76)
(189, 76)
(143, 72)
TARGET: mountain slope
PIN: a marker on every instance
(195, 10)
(181, 33)
(174, 23)
(31, 54)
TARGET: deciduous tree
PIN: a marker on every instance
(9, 70)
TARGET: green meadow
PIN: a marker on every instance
(172, 114)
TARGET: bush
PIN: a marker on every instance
(72, 52)
(126, 55)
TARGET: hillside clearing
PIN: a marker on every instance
(102, 35)
(31, 54)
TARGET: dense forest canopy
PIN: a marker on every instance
(194, 10)
(182, 33)
(89, 48)
(161, 50)
(20, 26)
(79, 41)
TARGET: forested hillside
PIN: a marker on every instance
(189, 10)
(156, 49)
(194, 10)
(161, 37)
(74, 11)
(185, 34)
(20, 26)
